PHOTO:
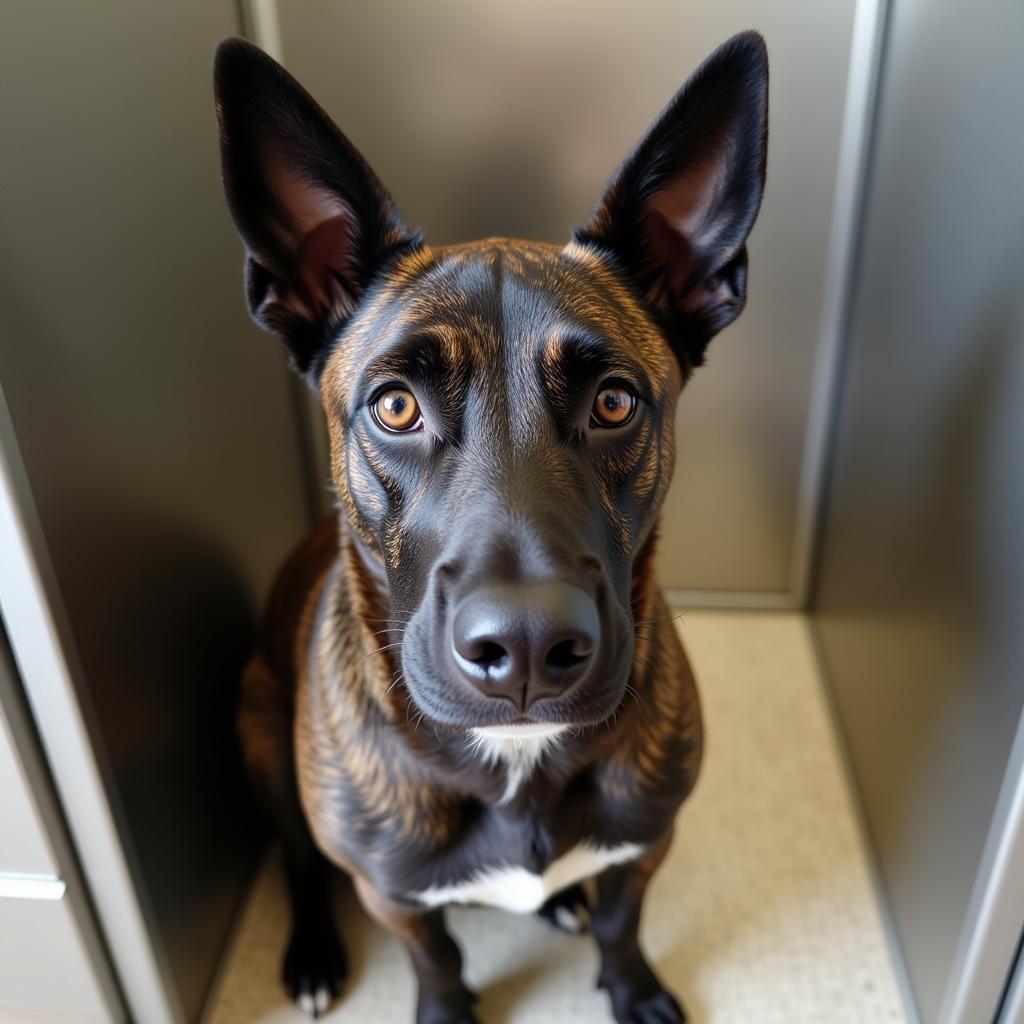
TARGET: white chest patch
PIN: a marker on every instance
(517, 747)
(515, 888)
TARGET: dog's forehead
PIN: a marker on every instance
(498, 303)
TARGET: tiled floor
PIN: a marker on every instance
(763, 914)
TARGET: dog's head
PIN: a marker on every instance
(500, 413)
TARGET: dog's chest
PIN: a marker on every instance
(519, 889)
(511, 862)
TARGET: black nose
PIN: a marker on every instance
(525, 642)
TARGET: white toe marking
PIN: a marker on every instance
(306, 1004)
(323, 999)
(515, 888)
(519, 747)
(568, 920)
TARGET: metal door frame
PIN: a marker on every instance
(44, 652)
(984, 965)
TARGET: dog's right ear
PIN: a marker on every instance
(317, 223)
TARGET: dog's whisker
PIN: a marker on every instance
(659, 622)
(633, 692)
(398, 680)
(644, 664)
(381, 650)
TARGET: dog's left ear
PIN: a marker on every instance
(318, 225)
(677, 213)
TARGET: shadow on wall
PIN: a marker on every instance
(163, 643)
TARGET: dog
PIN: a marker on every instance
(469, 689)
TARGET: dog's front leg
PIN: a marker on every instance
(636, 994)
(442, 998)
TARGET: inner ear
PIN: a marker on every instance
(320, 231)
(688, 204)
(678, 223)
(323, 266)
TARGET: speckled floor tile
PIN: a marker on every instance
(764, 912)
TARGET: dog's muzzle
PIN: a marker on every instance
(523, 643)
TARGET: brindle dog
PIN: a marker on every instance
(470, 689)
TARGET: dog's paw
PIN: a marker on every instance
(315, 969)
(660, 1008)
(639, 998)
(452, 1007)
(568, 910)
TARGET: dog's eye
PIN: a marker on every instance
(613, 407)
(397, 410)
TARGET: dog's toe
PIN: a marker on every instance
(452, 1007)
(315, 968)
(304, 1000)
(568, 910)
(314, 1000)
(322, 999)
(660, 1007)
(572, 919)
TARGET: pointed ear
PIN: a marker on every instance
(677, 214)
(317, 223)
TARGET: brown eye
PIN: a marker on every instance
(396, 409)
(613, 407)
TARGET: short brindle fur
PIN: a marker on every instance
(470, 674)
